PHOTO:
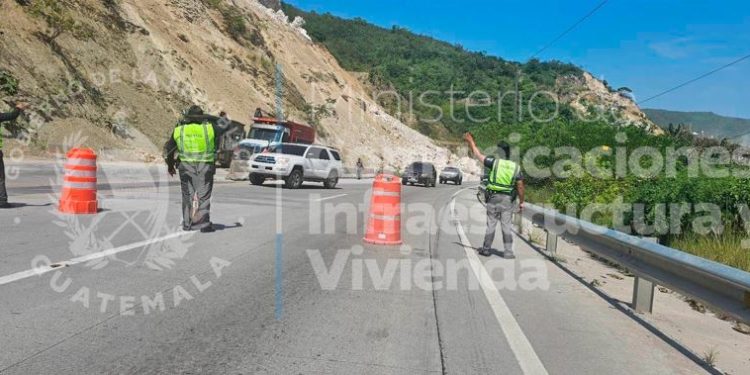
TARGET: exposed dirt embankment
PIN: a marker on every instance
(591, 97)
(120, 72)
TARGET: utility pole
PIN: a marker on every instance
(279, 243)
(518, 96)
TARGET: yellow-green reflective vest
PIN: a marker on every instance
(195, 143)
(502, 176)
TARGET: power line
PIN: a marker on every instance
(571, 28)
(694, 79)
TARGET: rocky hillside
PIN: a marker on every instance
(120, 72)
(588, 95)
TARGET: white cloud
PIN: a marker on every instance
(678, 48)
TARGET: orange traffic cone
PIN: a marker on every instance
(384, 222)
(79, 185)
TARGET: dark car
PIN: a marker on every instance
(420, 173)
(452, 174)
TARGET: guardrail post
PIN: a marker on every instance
(518, 222)
(643, 295)
(643, 290)
(551, 243)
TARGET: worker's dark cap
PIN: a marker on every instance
(503, 149)
(194, 110)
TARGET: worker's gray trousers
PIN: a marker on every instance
(3, 192)
(196, 179)
(500, 207)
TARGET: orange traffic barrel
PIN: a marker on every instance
(384, 221)
(79, 184)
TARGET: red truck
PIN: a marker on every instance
(271, 131)
(268, 131)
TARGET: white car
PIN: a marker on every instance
(295, 163)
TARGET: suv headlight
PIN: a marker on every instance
(282, 161)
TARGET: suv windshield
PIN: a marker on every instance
(296, 150)
(416, 167)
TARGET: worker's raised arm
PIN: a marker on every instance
(10, 116)
(473, 146)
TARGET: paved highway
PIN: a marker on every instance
(287, 286)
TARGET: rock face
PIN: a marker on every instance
(591, 97)
(123, 75)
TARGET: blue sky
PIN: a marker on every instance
(647, 45)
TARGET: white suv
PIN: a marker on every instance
(295, 163)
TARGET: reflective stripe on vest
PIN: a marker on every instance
(502, 176)
(195, 142)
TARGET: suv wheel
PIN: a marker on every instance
(256, 179)
(294, 181)
(332, 180)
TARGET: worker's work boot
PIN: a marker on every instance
(508, 255)
(485, 252)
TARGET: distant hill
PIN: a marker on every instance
(708, 122)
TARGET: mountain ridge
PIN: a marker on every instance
(710, 123)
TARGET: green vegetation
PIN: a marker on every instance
(413, 64)
(708, 122)
(396, 59)
(59, 19)
(726, 248)
(235, 22)
(8, 83)
(571, 194)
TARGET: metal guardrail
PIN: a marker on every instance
(723, 288)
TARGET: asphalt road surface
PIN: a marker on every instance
(286, 285)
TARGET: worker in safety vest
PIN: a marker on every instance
(10, 116)
(505, 183)
(193, 142)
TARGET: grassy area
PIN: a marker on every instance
(539, 194)
(726, 248)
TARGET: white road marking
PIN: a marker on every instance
(519, 344)
(331, 197)
(86, 258)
